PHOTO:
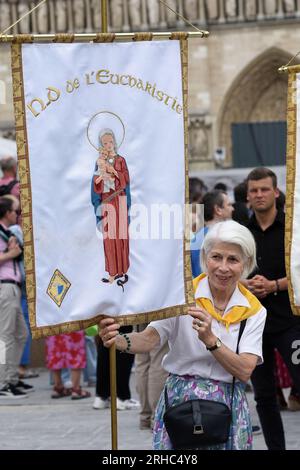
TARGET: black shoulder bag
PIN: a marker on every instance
(199, 422)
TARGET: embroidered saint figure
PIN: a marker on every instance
(111, 200)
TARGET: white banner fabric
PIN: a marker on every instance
(295, 245)
(292, 229)
(105, 121)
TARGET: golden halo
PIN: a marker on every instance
(96, 122)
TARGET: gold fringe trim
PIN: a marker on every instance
(64, 38)
(134, 319)
(143, 37)
(88, 37)
(107, 37)
(179, 35)
(291, 177)
(24, 175)
(293, 69)
(188, 278)
(23, 38)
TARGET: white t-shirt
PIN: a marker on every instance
(189, 356)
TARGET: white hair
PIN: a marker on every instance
(108, 132)
(230, 231)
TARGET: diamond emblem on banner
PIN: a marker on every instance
(58, 287)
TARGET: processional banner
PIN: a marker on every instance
(292, 234)
(102, 151)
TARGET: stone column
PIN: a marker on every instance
(42, 19)
(241, 17)
(144, 25)
(260, 12)
(126, 26)
(61, 16)
(14, 17)
(52, 16)
(33, 18)
(154, 9)
(222, 11)
(179, 21)
(5, 18)
(163, 22)
(79, 15)
(202, 13)
(24, 25)
(191, 10)
(280, 12)
(96, 6)
(298, 8)
(70, 16)
(250, 10)
(88, 25)
(170, 16)
(231, 10)
(135, 14)
(289, 8)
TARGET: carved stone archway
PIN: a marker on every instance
(258, 94)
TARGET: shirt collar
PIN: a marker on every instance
(237, 298)
(280, 218)
(4, 226)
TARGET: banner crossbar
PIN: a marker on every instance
(99, 37)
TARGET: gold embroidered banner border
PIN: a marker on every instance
(26, 199)
(24, 175)
(291, 177)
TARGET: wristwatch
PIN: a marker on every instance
(217, 345)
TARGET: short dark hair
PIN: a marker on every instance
(8, 163)
(210, 200)
(6, 205)
(197, 189)
(260, 173)
(221, 186)
(240, 192)
(280, 201)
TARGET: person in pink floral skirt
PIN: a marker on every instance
(67, 351)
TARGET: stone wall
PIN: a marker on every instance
(234, 78)
(125, 15)
(232, 75)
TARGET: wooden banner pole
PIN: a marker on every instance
(112, 349)
(104, 16)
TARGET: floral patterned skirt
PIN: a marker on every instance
(182, 388)
(66, 351)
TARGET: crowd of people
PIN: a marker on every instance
(237, 281)
(259, 206)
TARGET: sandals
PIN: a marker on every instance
(75, 393)
(61, 392)
(79, 394)
(28, 375)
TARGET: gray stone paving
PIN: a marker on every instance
(41, 423)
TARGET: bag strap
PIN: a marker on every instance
(166, 398)
(241, 330)
(5, 234)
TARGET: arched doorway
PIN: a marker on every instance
(258, 94)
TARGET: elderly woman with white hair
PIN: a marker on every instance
(203, 356)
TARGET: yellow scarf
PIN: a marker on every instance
(235, 314)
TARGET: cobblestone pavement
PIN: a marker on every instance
(41, 423)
